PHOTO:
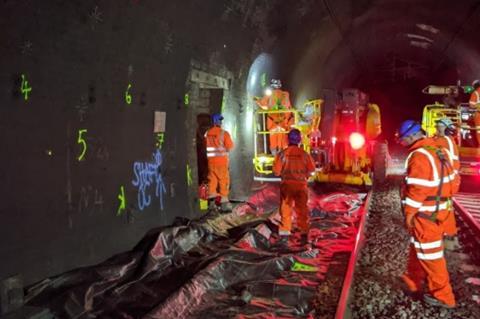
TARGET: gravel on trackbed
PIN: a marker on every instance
(377, 293)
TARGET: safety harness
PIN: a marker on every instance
(444, 163)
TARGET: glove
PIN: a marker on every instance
(451, 243)
(409, 221)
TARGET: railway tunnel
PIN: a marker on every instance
(104, 107)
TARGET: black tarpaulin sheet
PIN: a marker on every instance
(219, 266)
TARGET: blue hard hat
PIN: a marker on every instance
(217, 119)
(409, 127)
(294, 137)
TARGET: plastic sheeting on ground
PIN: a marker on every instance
(219, 266)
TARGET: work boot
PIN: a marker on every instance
(435, 302)
(226, 207)
(409, 287)
(211, 204)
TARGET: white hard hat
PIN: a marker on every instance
(276, 84)
(476, 83)
(445, 121)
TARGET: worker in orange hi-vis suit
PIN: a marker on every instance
(429, 185)
(475, 104)
(277, 123)
(444, 138)
(295, 166)
(219, 143)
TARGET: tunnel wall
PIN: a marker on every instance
(83, 175)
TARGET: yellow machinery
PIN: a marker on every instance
(462, 116)
(354, 153)
(347, 156)
(263, 158)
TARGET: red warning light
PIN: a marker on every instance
(356, 140)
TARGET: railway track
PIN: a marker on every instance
(467, 205)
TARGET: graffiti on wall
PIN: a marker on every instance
(91, 199)
(148, 175)
(128, 96)
(98, 149)
(123, 201)
(25, 88)
(159, 139)
(83, 143)
(189, 176)
(82, 109)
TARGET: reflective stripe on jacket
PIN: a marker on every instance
(424, 176)
(294, 165)
(277, 100)
(475, 98)
(218, 143)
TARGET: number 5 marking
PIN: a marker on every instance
(80, 140)
(128, 96)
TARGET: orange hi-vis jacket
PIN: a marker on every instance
(427, 214)
(277, 100)
(475, 104)
(423, 181)
(449, 144)
(219, 143)
(294, 165)
(475, 98)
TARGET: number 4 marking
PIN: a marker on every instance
(80, 140)
(24, 88)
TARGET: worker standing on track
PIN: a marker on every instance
(278, 124)
(429, 185)
(295, 166)
(219, 143)
(475, 104)
(445, 138)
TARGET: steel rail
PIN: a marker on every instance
(341, 311)
(467, 217)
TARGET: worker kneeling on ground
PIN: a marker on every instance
(429, 185)
(445, 138)
(219, 143)
(295, 166)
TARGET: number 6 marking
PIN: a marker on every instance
(128, 96)
(80, 140)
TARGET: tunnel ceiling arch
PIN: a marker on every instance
(342, 43)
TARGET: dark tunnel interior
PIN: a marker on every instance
(73, 146)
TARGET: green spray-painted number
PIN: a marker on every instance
(297, 266)
(160, 138)
(189, 176)
(263, 79)
(83, 143)
(25, 88)
(123, 201)
(128, 96)
(186, 99)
